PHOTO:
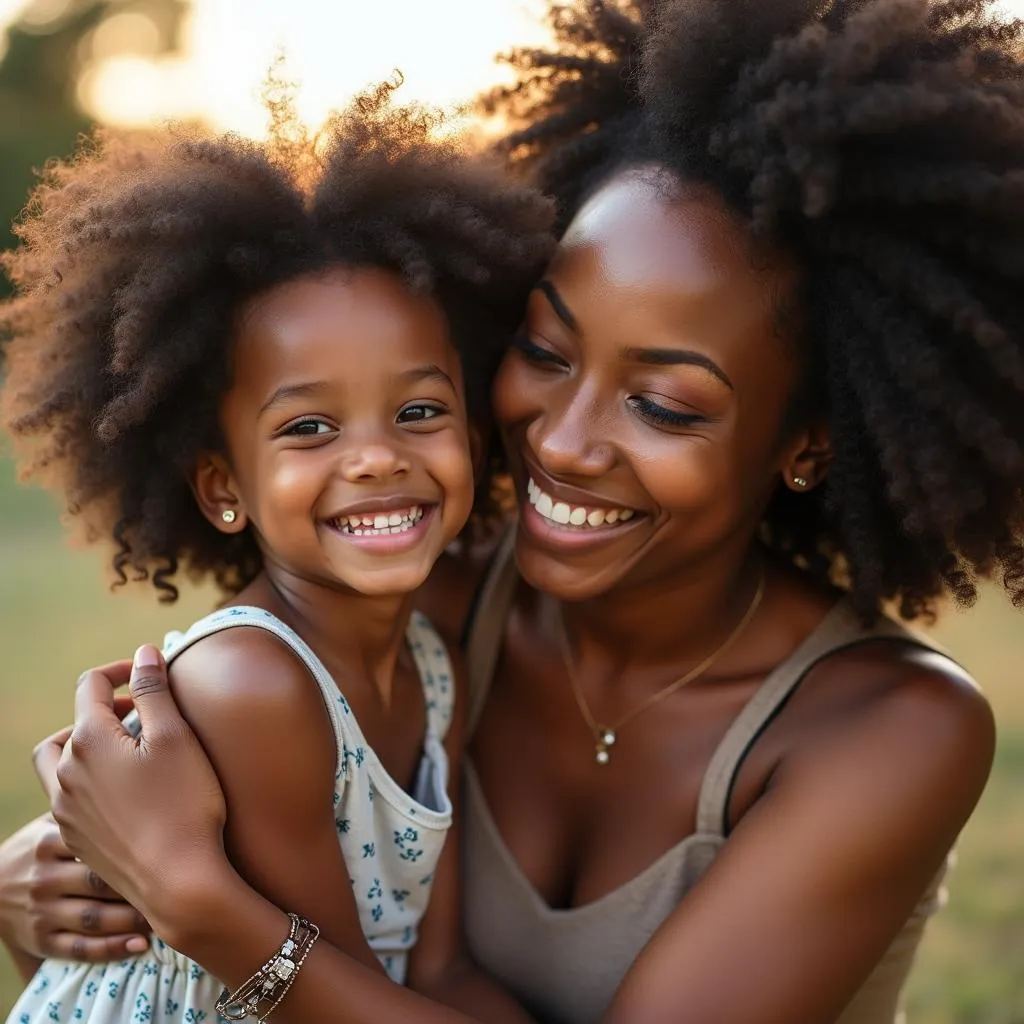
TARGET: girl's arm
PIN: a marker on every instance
(261, 721)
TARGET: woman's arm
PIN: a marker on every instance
(149, 814)
(820, 876)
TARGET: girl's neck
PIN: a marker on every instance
(348, 631)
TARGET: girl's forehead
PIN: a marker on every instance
(345, 326)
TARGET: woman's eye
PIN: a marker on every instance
(535, 354)
(659, 416)
(419, 413)
(307, 428)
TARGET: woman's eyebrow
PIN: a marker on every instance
(562, 311)
(677, 357)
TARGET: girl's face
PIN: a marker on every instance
(643, 406)
(347, 442)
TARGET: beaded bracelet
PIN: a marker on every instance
(262, 994)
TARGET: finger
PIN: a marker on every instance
(95, 918)
(123, 705)
(118, 672)
(94, 698)
(45, 758)
(93, 950)
(152, 694)
(70, 877)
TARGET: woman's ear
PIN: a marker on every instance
(809, 458)
(217, 494)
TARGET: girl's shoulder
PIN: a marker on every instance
(244, 664)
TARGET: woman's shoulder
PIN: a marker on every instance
(871, 685)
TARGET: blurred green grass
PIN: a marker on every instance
(57, 617)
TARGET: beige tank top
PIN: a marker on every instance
(564, 966)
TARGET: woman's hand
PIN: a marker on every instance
(147, 813)
(54, 906)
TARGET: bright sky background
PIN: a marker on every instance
(333, 48)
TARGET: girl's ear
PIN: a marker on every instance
(217, 494)
(809, 458)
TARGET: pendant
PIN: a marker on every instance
(605, 741)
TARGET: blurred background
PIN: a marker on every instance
(66, 64)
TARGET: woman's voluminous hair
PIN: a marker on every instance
(880, 145)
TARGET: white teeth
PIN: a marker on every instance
(374, 526)
(561, 512)
(564, 514)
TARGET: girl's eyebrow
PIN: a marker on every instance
(429, 372)
(286, 391)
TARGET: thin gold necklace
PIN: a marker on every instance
(605, 736)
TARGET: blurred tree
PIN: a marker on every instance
(47, 49)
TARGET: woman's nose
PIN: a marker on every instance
(569, 440)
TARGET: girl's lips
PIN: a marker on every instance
(387, 541)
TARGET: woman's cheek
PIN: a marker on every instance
(512, 396)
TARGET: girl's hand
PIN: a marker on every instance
(147, 813)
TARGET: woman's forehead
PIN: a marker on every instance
(644, 238)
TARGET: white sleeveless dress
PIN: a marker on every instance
(391, 841)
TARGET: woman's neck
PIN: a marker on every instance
(347, 630)
(663, 623)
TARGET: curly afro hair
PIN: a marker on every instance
(881, 144)
(137, 254)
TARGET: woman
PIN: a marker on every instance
(775, 358)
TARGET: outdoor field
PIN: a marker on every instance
(57, 617)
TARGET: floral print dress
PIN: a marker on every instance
(391, 841)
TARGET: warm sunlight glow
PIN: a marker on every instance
(445, 49)
(333, 48)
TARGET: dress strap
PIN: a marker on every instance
(435, 669)
(485, 632)
(245, 615)
(838, 630)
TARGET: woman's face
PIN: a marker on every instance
(643, 407)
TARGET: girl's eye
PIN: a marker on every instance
(420, 413)
(535, 354)
(307, 428)
(659, 416)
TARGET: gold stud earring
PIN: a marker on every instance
(800, 482)
(228, 515)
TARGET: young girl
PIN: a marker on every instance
(259, 363)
